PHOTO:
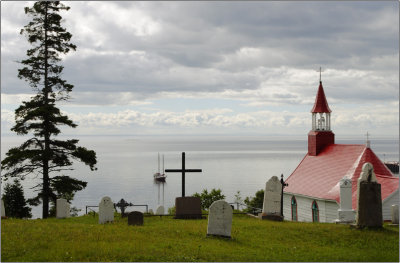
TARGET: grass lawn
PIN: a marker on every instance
(167, 239)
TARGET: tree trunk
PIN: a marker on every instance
(46, 182)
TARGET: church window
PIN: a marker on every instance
(315, 212)
(294, 209)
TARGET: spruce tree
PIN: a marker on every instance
(44, 153)
(14, 201)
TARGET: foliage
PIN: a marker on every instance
(43, 153)
(82, 239)
(14, 201)
(208, 198)
(172, 210)
(255, 202)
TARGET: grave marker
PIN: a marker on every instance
(135, 218)
(345, 212)
(272, 200)
(62, 208)
(220, 219)
(106, 210)
(395, 214)
(369, 199)
(160, 210)
(188, 207)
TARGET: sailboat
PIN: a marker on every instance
(160, 176)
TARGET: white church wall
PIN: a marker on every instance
(327, 209)
(387, 205)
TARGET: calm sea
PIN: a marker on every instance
(126, 166)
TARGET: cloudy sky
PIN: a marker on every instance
(219, 67)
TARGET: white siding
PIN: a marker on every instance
(387, 205)
(327, 209)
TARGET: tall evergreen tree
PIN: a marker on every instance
(44, 153)
(14, 201)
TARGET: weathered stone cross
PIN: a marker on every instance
(183, 171)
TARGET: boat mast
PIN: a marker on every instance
(163, 164)
(158, 162)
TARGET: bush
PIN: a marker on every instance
(208, 198)
(14, 201)
(256, 201)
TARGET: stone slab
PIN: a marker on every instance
(106, 210)
(263, 216)
(188, 208)
(395, 214)
(272, 196)
(135, 218)
(62, 208)
(160, 210)
(369, 210)
(220, 219)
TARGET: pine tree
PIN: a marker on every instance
(14, 201)
(44, 153)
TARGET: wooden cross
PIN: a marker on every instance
(183, 171)
(283, 186)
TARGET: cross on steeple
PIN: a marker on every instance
(368, 143)
(320, 71)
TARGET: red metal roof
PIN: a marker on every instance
(321, 104)
(319, 176)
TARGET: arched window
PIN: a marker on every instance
(294, 209)
(315, 212)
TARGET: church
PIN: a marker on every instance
(313, 191)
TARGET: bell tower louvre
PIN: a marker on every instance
(320, 135)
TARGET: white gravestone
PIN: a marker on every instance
(345, 212)
(367, 171)
(106, 210)
(395, 214)
(3, 210)
(272, 197)
(160, 210)
(220, 219)
(63, 208)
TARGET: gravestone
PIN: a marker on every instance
(106, 210)
(3, 210)
(151, 211)
(395, 214)
(188, 207)
(220, 219)
(272, 200)
(345, 212)
(160, 210)
(369, 199)
(63, 208)
(135, 218)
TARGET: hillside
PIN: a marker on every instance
(166, 239)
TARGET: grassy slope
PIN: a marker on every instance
(166, 239)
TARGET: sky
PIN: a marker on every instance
(218, 68)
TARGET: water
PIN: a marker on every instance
(126, 166)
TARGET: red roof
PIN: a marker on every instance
(319, 176)
(321, 104)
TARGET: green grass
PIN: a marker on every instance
(167, 239)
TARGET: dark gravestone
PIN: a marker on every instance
(188, 207)
(369, 205)
(135, 218)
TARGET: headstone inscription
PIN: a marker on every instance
(272, 200)
(106, 210)
(62, 208)
(369, 200)
(220, 219)
(160, 210)
(395, 214)
(3, 210)
(135, 218)
(188, 207)
(345, 212)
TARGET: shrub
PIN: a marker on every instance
(256, 202)
(14, 201)
(208, 198)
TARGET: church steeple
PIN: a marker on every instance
(320, 134)
(323, 123)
